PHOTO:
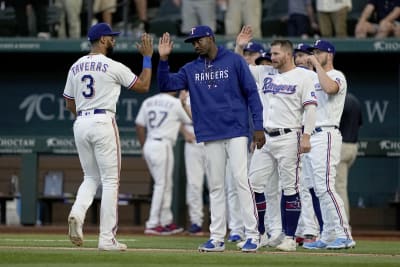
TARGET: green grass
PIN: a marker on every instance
(181, 251)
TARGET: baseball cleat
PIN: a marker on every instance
(275, 240)
(114, 245)
(340, 243)
(75, 231)
(264, 240)
(234, 238)
(158, 230)
(195, 229)
(212, 246)
(251, 245)
(319, 244)
(288, 244)
(172, 229)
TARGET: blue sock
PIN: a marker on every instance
(291, 213)
(261, 207)
(317, 208)
(283, 218)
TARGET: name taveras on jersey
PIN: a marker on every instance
(89, 66)
(270, 87)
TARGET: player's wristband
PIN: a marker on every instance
(146, 62)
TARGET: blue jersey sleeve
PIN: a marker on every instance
(170, 81)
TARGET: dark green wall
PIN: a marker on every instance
(32, 104)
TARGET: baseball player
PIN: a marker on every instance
(157, 127)
(91, 92)
(222, 92)
(310, 221)
(269, 216)
(326, 140)
(289, 100)
(195, 162)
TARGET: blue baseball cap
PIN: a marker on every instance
(199, 32)
(264, 56)
(323, 45)
(305, 48)
(254, 47)
(100, 29)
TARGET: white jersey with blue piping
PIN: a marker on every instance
(330, 107)
(94, 82)
(284, 96)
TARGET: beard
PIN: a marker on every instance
(110, 50)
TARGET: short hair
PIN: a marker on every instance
(284, 43)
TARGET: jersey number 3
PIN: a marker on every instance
(89, 81)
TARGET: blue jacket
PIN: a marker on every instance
(221, 93)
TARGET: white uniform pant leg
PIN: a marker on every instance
(195, 172)
(308, 223)
(166, 211)
(216, 164)
(325, 157)
(91, 173)
(157, 164)
(264, 177)
(108, 156)
(237, 153)
(235, 221)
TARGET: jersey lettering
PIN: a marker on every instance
(270, 87)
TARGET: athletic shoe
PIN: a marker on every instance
(340, 243)
(240, 244)
(75, 231)
(306, 239)
(212, 246)
(287, 244)
(264, 240)
(319, 244)
(275, 240)
(234, 238)
(113, 245)
(194, 229)
(251, 245)
(172, 229)
(158, 230)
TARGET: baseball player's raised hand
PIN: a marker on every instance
(165, 45)
(244, 36)
(259, 138)
(305, 145)
(145, 47)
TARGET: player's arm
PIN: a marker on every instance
(141, 134)
(70, 105)
(327, 84)
(309, 125)
(142, 85)
(183, 96)
(243, 38)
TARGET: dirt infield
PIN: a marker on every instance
(59, 229)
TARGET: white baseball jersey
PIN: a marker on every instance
(284, 96)
(162, 115)
(330, 107)
(94, 82)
